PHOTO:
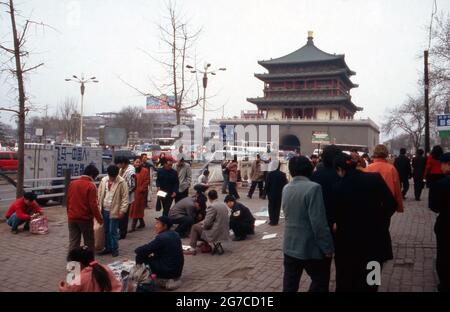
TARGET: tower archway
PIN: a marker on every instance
(290, 142)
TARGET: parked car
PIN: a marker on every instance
(9, 161)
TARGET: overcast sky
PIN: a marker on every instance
(382, 41)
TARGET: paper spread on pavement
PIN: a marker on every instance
(263, 212)
(186, 247)
(259, 222)
(161, 194)
(268, 236)
(119, 266)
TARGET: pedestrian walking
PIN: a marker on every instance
(225, 175)
(184, 179)
(140, 195)
(232, 168)
(275, 182)
(128, 173)
(326, 176)
(403, 165)
(257, 178)
(307, 238)
(167, 182)
(433, 171)
(364, 205)
(390, 175)
(147, 164)
(82, 209)
(113, 203)
(418, 166)
(440, 204)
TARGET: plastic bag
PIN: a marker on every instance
(39, 225)
(99, 236)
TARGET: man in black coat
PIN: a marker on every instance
(403, 166)
(419, 163)
(364, 205)
(440, 203)
(164, 254)
(275, 181)
(327, 177)
(166, 181)
(242, 222)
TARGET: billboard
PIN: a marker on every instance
(160, 102)
(113, 136)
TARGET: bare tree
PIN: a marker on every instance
(68, 118)
(178, 41)
(409, 118)
(130, 118)
(17, 56)
(440, 58)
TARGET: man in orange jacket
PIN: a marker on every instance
(21, 211)
(388, 172)
(82, 208)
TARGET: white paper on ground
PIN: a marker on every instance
(259, 222)
(268, 236)
(161, 194)
(185, 247)
(263, 212)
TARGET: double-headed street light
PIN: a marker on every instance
(82, 82)
(205, 73)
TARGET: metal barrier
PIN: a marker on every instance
(57, 190)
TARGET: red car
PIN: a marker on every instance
(9, 161)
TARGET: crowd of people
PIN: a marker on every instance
(335, 206)
(342, 207)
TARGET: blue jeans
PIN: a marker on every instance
(111, 227)
(14, 222)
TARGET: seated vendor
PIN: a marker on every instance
(242, 222)
(164, 254)
(21, 211)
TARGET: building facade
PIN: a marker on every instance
(308, 91)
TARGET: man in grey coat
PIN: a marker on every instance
(215, 228)
(184, 213)
(307, 239)
(184, 177)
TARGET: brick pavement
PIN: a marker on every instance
(37, 263)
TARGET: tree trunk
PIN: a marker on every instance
(21, 116)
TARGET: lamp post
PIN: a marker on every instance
(205, 73)
(82, 83)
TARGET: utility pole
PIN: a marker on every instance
(427, 105)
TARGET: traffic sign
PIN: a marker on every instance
(443, 122)
(319, 137)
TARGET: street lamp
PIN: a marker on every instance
(205, 73)
(82, 82)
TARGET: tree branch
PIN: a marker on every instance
(32, 68)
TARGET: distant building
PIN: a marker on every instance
(308, 91)
(164, 120)
(251, 114)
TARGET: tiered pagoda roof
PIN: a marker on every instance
(306, 63)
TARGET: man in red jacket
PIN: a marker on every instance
(82, 208)
(20, 212)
